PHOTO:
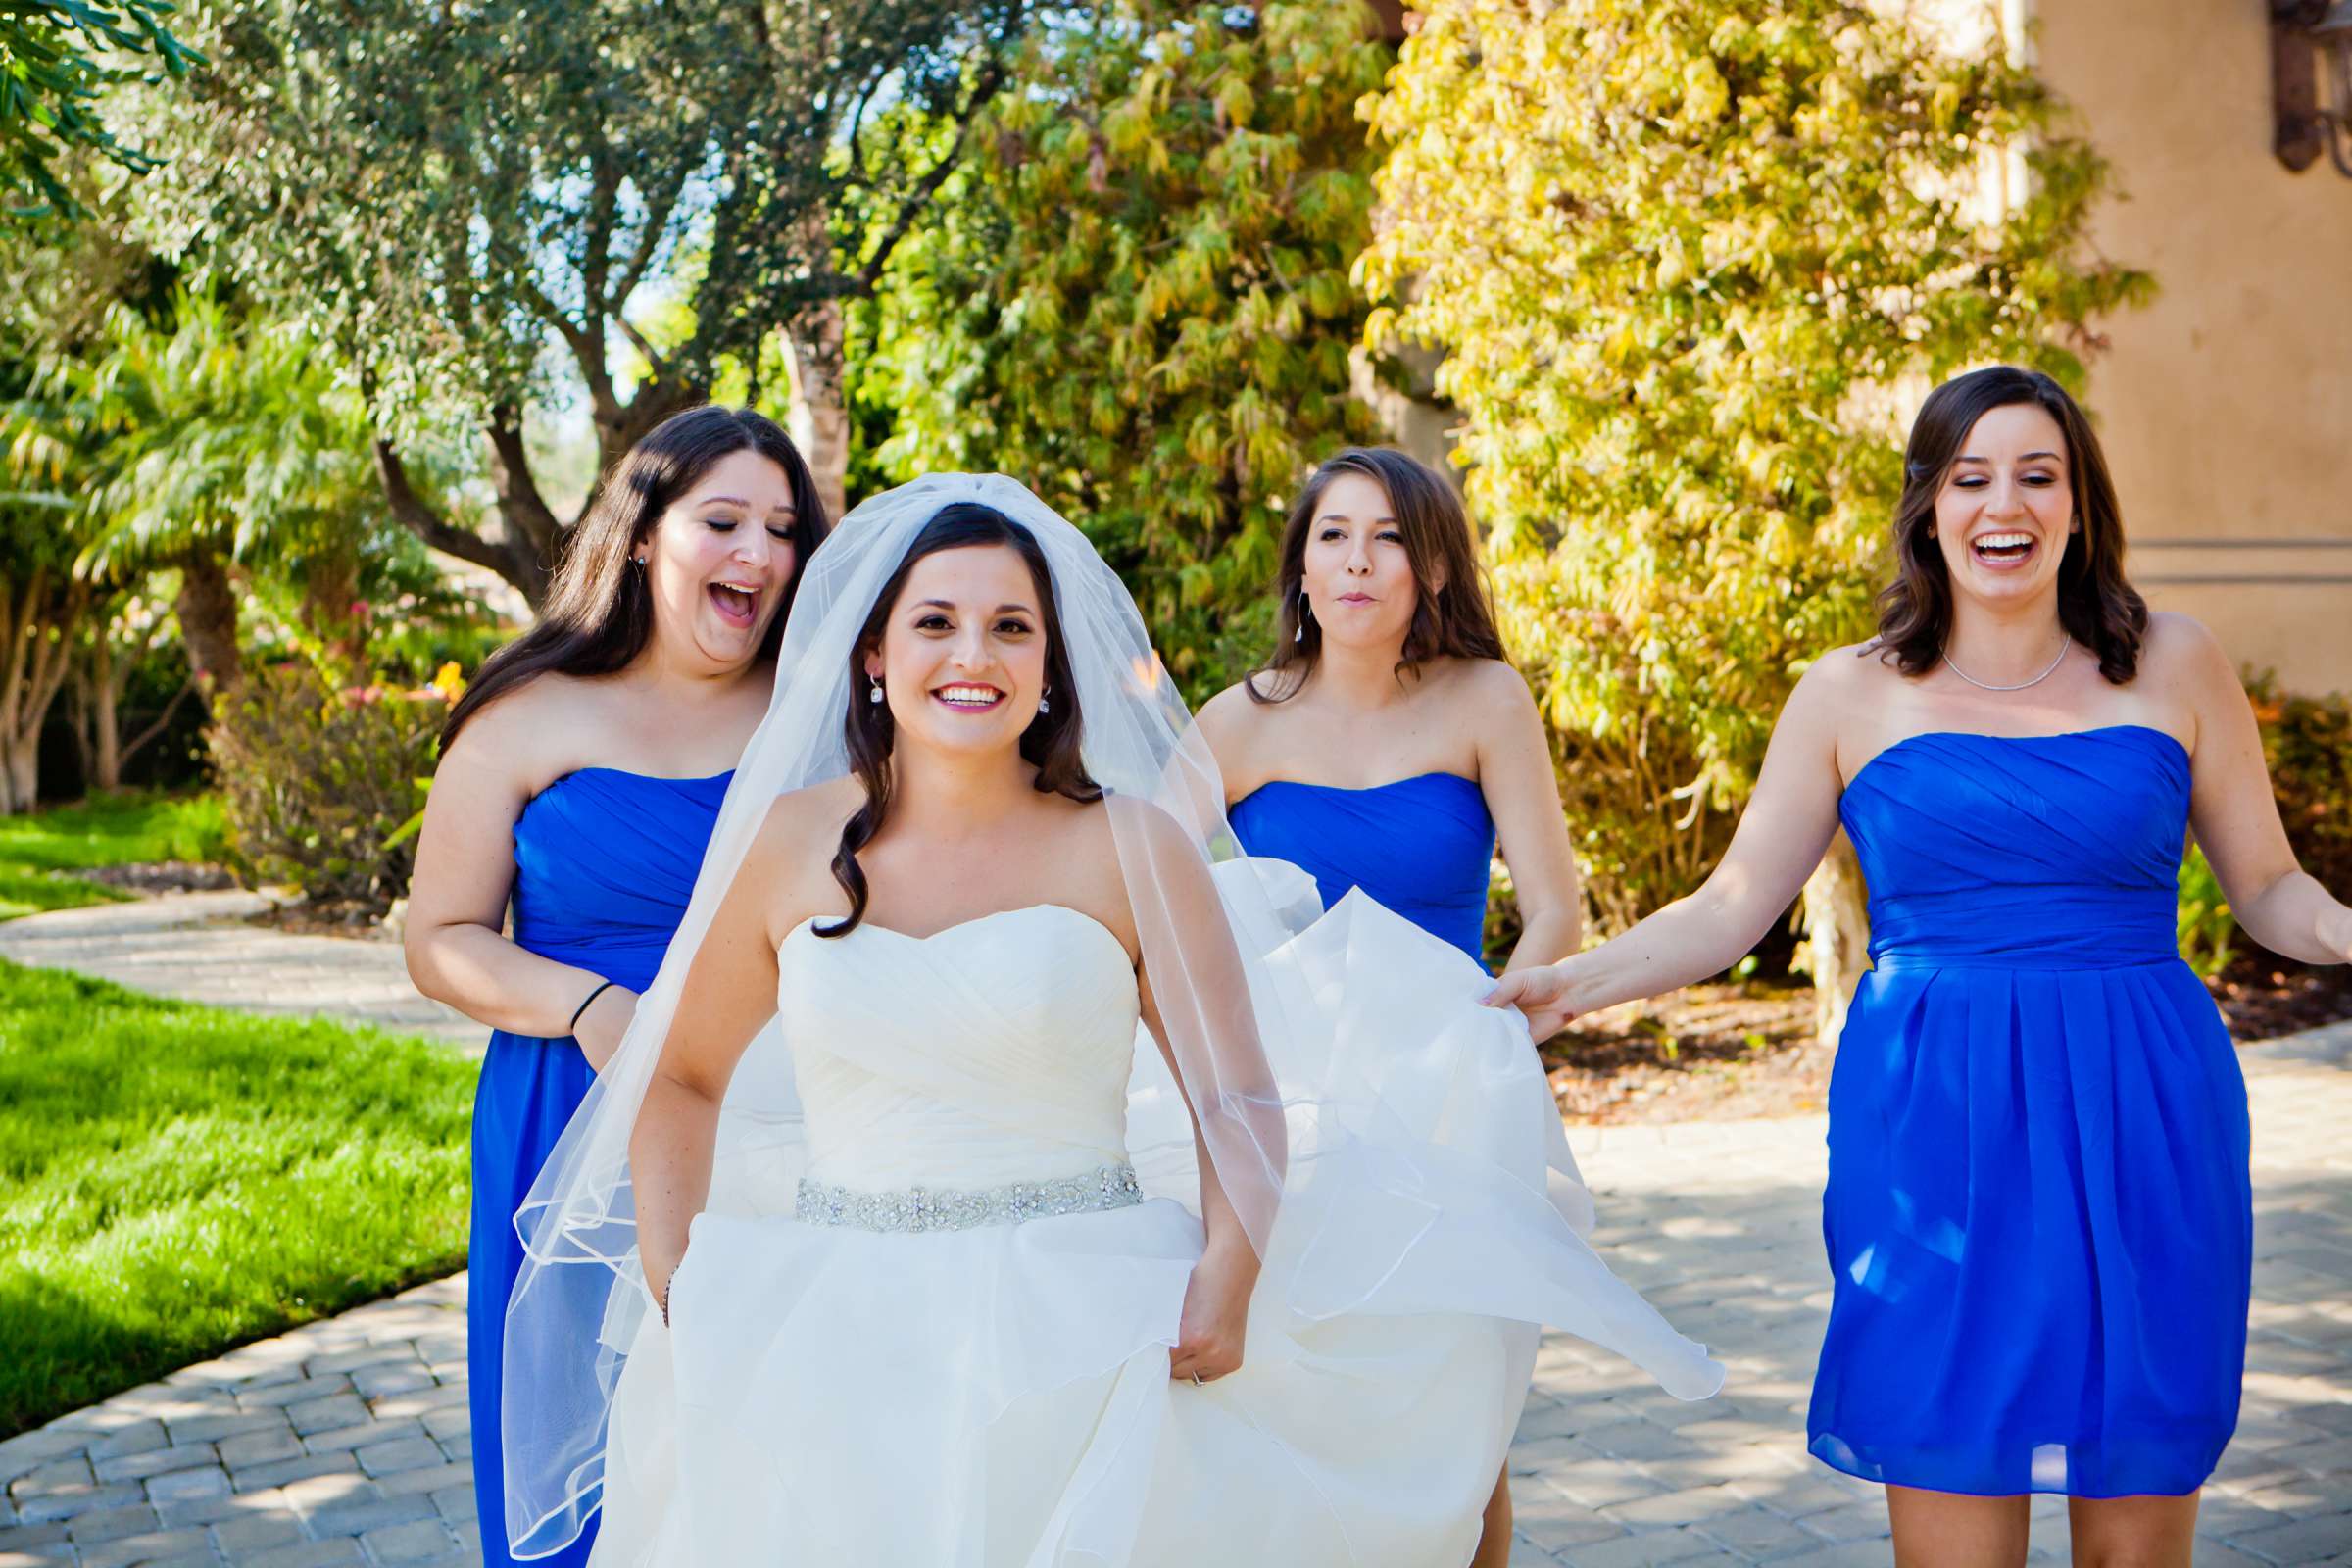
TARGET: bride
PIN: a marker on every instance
(889, 1239)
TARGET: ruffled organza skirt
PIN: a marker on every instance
(999, 1397)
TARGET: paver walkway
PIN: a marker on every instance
(345, 1442)
(198, 947)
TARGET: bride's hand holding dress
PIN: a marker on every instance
(1215, 1323)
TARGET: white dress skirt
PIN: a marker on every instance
(952, 1352)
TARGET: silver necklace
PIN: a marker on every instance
(2065, 643)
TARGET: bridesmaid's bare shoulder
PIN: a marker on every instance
(529, 737)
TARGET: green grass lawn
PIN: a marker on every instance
(175, 1180)
(37, 851)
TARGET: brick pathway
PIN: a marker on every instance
(197, 946)
(345, 1442)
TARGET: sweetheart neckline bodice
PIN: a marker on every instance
(969, 925)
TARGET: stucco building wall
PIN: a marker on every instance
(2226, 405)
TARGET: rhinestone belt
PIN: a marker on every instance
(925, 1209)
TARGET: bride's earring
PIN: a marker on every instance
(1044, 704)
(1305, 610)
(873, 692)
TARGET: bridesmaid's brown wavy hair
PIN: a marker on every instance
(2098, 608)
(599, 614)
(1451, 620)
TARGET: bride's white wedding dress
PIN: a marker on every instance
(956, 1350)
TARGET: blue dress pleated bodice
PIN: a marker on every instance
(2039, 1214)
(604, 862)
(1421, 847)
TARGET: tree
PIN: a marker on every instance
(57, 282)
(1681, 260)
(124, 629)
(41, 606)
(52, 82)
(444, 193)
(218, 441)
(1137, 297)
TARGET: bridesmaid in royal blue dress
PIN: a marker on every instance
(580, 779)
(2039, 1214)
(1386, 745)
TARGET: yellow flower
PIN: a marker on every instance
(449, 681)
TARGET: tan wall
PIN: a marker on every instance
(2226, 405)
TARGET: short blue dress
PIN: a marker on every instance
(604, 862)
(2039, 1210)
(1420, 847)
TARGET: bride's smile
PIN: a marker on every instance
(961, 664)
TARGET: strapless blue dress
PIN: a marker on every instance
(2039, 1213)
(1420, 847)
(604, 862)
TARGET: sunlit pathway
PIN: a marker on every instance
(198, 947)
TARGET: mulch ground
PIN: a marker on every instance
(1717, 1053)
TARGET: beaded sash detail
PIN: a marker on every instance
(924, 1208)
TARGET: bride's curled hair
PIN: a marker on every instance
(1050, 743)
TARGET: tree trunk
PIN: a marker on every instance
(330, 593)
(21, 758)
(39, 631)
(818, 406)
(515, 558)
(103, 768)
(208, 621)
(1836, 947)
(81, 708)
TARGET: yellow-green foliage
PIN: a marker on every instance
(1683, 261)
(1136, 297)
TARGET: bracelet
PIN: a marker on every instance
(575, 1025)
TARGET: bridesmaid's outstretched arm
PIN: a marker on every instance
(2233, 810)
(1789, 823)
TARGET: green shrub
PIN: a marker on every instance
(317, 780)
(2307, 742)
(2204, 925)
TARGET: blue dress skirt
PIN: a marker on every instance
(2039, 1213)
(604, 862)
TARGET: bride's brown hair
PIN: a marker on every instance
(1050, 743)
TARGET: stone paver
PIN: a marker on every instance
(348, 1440)
(269, 1454)
(197, 946)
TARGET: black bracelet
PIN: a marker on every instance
(574, 1026)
